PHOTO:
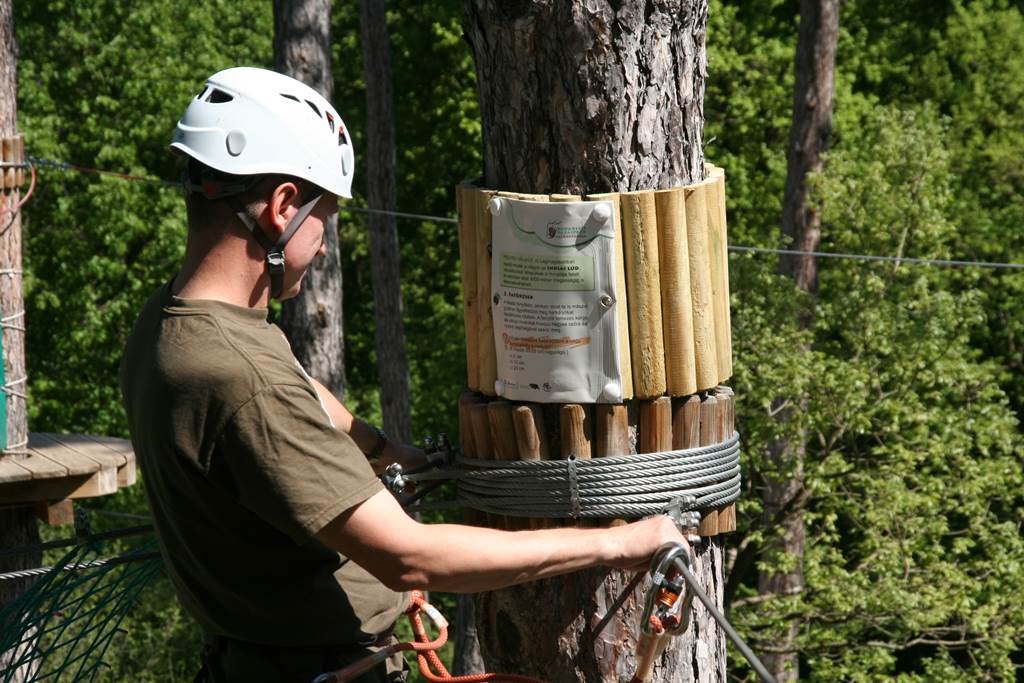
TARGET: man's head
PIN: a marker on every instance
(251, 135)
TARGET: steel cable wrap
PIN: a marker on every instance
(626, 486)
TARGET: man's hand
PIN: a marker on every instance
(633, 545)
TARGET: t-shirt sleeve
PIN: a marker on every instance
(288, 464)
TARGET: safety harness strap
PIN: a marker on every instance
(275, 250)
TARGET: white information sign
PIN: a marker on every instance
(553, 298)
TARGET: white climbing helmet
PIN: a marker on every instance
(249, 121)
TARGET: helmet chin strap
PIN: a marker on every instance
(275, 250)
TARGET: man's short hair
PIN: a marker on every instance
(197, 205)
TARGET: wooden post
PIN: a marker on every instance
(727, 399)
(503, 444)
(575, 432)
(656, 425)
(531, 441)
(705, 348)
(480, 421)
(465, 201)
(643, 282)
(709, 429)
(677, 311)
(611, 435)
(720, 268)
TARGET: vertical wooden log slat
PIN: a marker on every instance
(531, 442)
(705, 348)
(487, 371)
(611, 435)
(686, 423)
(468, 445)
(709, 424)
(564, 198)
(727, 515)
(465, 202)
(655, 425)
(719, 261)
(503, 444)
(676, 308)
(7, 156)
(575, 427)
(643, 283)
(621, 298)
(19, 153)
(481, 423)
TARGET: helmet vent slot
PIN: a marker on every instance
(218, 97)
(290, 97)
(330, 120)
(314, 108)
(201, 93)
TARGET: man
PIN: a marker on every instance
(276, 534)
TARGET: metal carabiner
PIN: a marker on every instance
(667, 586)
(664, 615)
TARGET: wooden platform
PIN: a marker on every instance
(66, 466)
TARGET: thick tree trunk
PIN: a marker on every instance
(313, 320)
(17, 525)
(801, 222)
(392, 367)
(587, 97)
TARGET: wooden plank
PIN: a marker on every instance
(11, 471)
(621, 298)
(676, 309)
(487, 366)
(20, 176)
(77, 454)
(719, 260)
(89, 485)
(709, 425)
(643, 283)
(565, 198)
(705, 347)
(484, 448)
(55, 512)
(465, 204)
(103, 450)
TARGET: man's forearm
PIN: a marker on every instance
(404, 554)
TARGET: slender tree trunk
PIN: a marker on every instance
(801, 222)
(588, 97)
(313, 320)
(17, 525)
(392, 367)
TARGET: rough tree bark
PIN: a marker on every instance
(801, 223)
(17, 525)
(587, 97)
(313, 320)
(392, 367)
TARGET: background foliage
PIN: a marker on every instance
(913, 384)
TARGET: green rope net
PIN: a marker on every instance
(61, 627)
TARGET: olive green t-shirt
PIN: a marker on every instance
(242, 467)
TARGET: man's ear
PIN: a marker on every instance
(282, 205)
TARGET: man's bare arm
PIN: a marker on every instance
(404, 554)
